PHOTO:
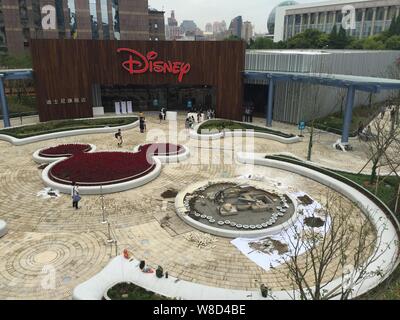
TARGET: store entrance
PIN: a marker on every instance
(152, 98)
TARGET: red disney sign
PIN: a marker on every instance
(138, 64)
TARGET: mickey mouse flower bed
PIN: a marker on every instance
(90, 169)
(101, 168)
(64, 150)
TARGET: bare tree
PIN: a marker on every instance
(383, 146)
(334, 260)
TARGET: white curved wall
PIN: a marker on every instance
(63, 134)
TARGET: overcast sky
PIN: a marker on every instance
(203, 11)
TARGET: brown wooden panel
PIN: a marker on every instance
(67, 69)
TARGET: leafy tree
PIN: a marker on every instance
(393, 43)
(309, 39)
(233, 38)
(333, 38)
(263, 43)
(372, 43)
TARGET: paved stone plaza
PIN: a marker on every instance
(49, 233)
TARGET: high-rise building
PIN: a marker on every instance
(156, 25)
(236, 26)
(21, 21)
(361, 18)
(209, 28)
(172, 21)
(247, 31)
(188, 26)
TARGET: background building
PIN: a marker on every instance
(371, 17)
(172, 30)
(208, 28)
(21, 20)
(296, 101)
(235, 27)
(188, 26)
(156, 25)
(247, 31)
(271, 17)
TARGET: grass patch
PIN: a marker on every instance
(130, 291)
(334, 122)
(220, 125)
(65, 125)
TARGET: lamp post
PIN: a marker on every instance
(109, 240)
(102, 205)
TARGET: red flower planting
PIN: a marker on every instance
(104, 168)
(161, 149)
(64, 150)
(101, 168)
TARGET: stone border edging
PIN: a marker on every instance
(63, 134)
(182, 213)
(3, 228)
(106, 189)
(240, 133)
(389, 259)
(40, 160)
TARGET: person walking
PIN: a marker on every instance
(161, 115)
(164, 112)
(118, 136)
(75, 196)
(142, 124)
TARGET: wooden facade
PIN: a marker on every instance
(65, 70)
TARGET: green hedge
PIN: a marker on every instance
(65, 125)
(232, 125)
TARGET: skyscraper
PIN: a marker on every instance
(247, 31)
(21, 21)
(236, 26)
(172, 21)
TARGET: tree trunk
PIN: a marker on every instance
(373, 172)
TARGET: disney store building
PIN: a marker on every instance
(83, 78)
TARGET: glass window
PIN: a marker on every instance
(369, 13)
(3, 39)
(380, 13)
(72, 19)
(60, 18)
(23, 13)
(305, 19)
(359, 15)
(330, 17)
(312, 18)
(339, 16)
(37, 15)
(391, 13)
(93, 19)
(116, 22)
(104, 20)
(297, 19)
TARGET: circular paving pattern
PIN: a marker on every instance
(47, 232)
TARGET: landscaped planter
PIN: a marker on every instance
(104, 172)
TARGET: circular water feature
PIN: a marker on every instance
(231, 208)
